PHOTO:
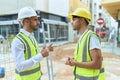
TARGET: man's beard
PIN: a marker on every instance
(77, 28)
(34, 28)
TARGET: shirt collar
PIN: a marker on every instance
(26, 32)
(84, 32)
(81, 35)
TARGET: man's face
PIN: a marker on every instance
(76, 23)
(34, 23)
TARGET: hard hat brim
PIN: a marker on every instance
(28, 17)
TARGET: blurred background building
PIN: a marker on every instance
(54, 18)
(113, 8)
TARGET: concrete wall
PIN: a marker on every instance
(11, 7)
(7, 7)
(42, 5)
(59, 7)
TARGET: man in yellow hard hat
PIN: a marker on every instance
(87, 61)
(25, 48)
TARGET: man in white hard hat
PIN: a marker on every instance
(25, 48)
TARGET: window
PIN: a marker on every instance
(58, 33)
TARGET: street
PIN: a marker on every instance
(62, 71)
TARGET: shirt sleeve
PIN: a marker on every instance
(94, 43)
(18, 55)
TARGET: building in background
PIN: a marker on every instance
(95, 8)
(53, 18)
(98, 12)
(113, 7)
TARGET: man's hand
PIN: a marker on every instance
(44, 52)
(70, 61)
(50, 47)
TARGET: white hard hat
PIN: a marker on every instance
(26, 12)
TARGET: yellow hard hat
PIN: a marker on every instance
(82, 12)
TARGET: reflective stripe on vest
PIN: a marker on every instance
(28, 72)
(30, 51)
(85, 53)
(84, 56)
(86, 78)
(27, 45)
(102, 70)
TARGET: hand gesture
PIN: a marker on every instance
(44, 52)
(50, 47)
(70, 61)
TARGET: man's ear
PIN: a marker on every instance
(81, 20)
(26, 20)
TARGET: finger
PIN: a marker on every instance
(44, 47)
(50, 45)
(67, 63)
(68, 58)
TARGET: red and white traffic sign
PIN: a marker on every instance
(100, 21)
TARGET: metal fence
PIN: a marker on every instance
(109, 46)
(6, 61)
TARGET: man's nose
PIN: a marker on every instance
(38, 21)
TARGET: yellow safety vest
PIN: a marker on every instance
(82, 54)
(31, 50)
(102, 75)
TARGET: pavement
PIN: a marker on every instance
(63, 72)
(111, 55)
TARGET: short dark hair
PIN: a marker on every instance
(87, 21)
(74, 16)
